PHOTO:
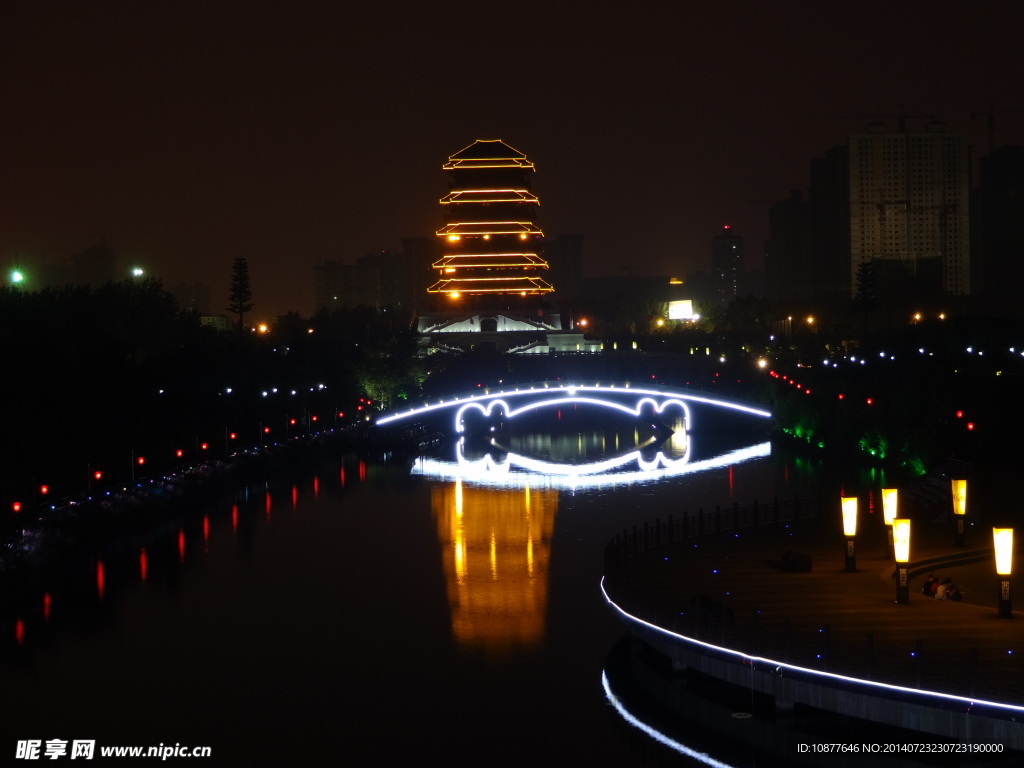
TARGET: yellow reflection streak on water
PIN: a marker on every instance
(458, 536)
(496, 545)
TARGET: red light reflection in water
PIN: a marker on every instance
(295, 496)
(181, 545)
(266, 504)
(46, 605)
(143, 564)
(99, 578)
(19, 631)
(316, 486)
(341, 476)
(206, 530)
(731, 489)
(362, 471)
(871, 502)
(234, 517)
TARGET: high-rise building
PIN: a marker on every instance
(909, 208)
(490, 237)
(789, 257)
(726, 266)
(829, 202)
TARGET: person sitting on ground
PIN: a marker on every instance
(940, 590)
(927, 589)
(952, 591)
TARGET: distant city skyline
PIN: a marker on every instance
(186, 137)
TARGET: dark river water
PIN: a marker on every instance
(371, 611)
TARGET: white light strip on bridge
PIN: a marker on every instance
(779, 665)
(572, 389)
(569, 400)
(657, 735)
(512, 459)
(490, 472)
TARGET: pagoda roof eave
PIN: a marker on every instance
(490, 228)
(488, 153)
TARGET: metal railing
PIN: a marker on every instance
(633, 542)
(979, 673)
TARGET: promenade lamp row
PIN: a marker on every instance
(293, 427)
(898, 542)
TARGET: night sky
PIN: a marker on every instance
(189, 134)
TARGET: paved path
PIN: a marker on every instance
(829, 618)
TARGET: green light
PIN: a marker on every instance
(17, 276)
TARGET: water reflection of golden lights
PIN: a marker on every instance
(496, 547)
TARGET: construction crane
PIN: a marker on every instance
(991, 126)
(902, 117)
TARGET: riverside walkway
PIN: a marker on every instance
(726, 588)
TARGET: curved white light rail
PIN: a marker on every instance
(570, 391)
(657, 735)
(570, 400)
(487, 471)
(753, 661)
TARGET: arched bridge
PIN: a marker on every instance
(506, 402)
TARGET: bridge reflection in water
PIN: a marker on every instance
(495, 506)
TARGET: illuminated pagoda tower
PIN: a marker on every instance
(491, 290)
(490, 238)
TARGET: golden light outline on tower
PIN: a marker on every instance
(488, 153)
(489, 163)
(490, 196)
(511, 284)
(468, 228)
(490, 260)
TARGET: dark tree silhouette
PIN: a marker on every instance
(866, 298)
(241, 291)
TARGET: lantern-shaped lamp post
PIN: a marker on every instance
(1002, 538)
(901, 550)
(850, 531)
(890, 499)
(960, 510)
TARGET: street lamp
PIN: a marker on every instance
(1002, 539)
(890, 498)
(901, 550)
(850, 531)
(959, 510)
